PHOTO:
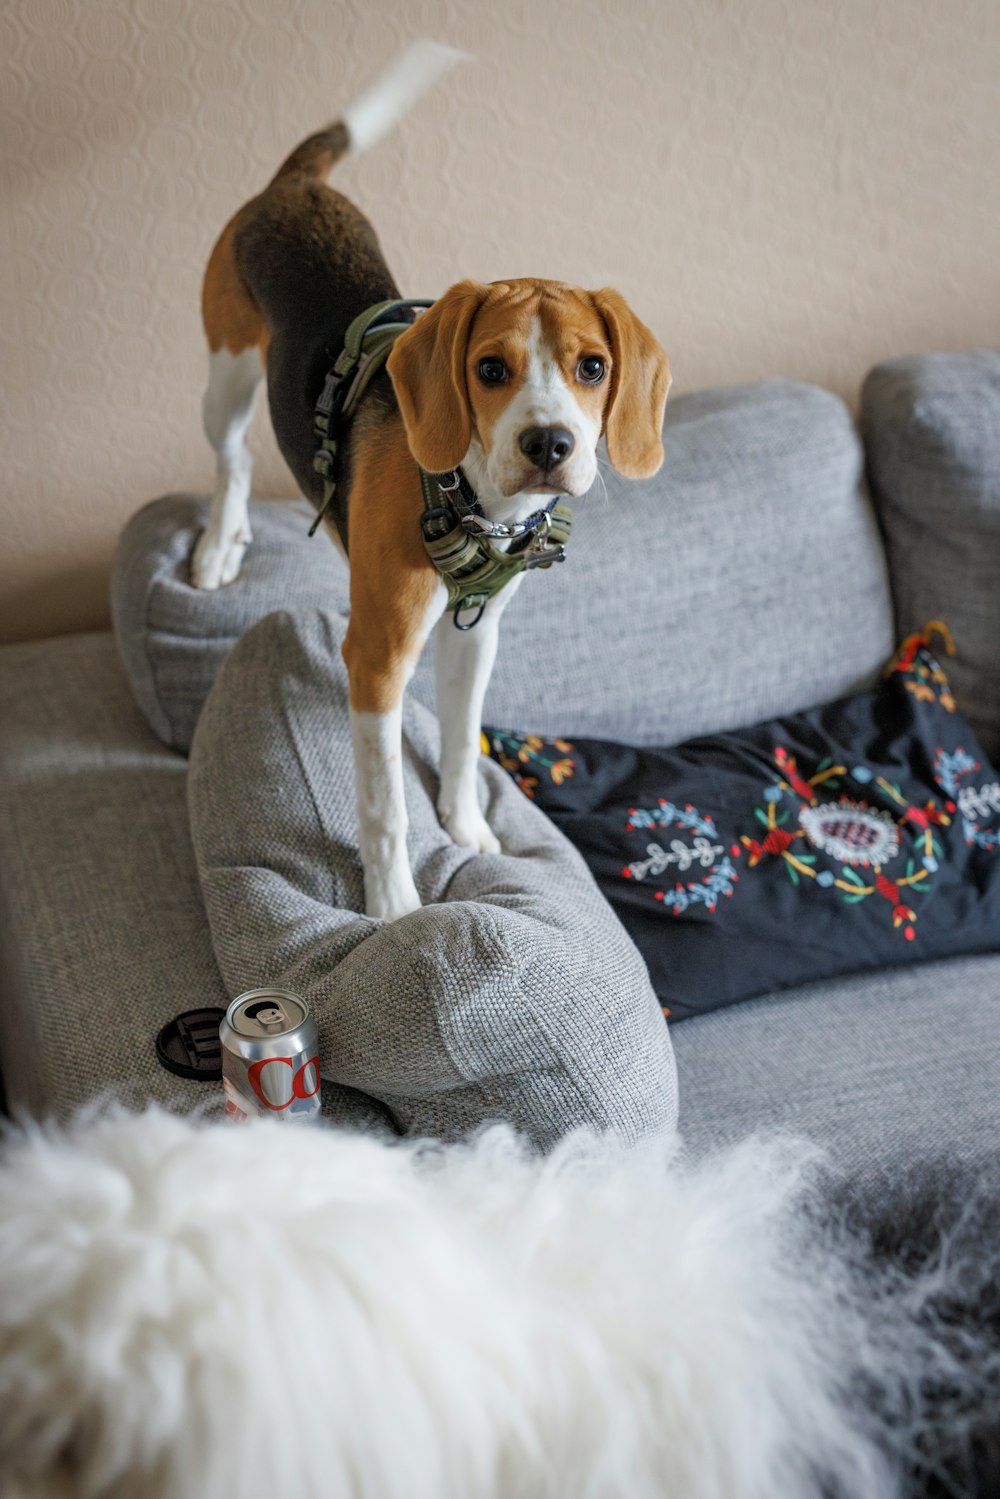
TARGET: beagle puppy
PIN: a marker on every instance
(515, 381)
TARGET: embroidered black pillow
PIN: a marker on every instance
(858, 835)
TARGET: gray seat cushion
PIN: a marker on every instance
(883, 1069)
(721, 585)
(102, 927)
(512, 994)
(103, 937)
(932, 432)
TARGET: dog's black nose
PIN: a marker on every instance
(546, 446)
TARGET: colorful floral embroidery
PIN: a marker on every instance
(859, 837)
(924, 677)
(974, 803)
(514, 751)
(707, 891)
(853, 833)
(665, 814)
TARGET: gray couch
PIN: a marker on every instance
(751, 577)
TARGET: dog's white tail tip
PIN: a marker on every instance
(408, 77)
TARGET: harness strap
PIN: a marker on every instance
(367, 345)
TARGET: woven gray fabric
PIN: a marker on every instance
(721, 584)
(173, 638)
(514, 994)
(932, 432)
(884, 1069)
(103, 935)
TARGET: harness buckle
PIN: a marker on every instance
(325, 402)
(325, 464)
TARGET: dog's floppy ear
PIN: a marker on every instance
(640, 381)
(427, 367)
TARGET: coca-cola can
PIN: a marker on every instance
(270, 1056)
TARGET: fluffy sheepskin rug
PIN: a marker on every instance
(191, 1308)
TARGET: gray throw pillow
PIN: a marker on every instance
(513, 994)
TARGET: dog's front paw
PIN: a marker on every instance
(469, 829)
(217, 559)
(388, 900)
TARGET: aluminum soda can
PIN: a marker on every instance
(270, 1056)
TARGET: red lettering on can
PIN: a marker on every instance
(255, 1078)
(299, 1082)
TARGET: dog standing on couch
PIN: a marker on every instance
(512, 383)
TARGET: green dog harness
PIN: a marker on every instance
(475, 556)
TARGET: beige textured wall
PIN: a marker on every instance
(794, 187)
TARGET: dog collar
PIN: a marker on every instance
(455, 488)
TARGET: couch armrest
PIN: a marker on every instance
(173, 637)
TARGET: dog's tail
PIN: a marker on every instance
(383, 104)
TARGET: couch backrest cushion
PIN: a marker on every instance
(745, 580)
(932, 433)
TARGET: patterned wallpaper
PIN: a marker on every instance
(795, 187)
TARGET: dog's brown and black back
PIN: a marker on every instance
(289, 273)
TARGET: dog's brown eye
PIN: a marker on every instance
(492, 371)
(590, 370)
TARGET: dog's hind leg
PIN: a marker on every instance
(228, 406)
(237, 341)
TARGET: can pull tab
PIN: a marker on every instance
(271, 1018)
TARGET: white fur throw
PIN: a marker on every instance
(193, 1308)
